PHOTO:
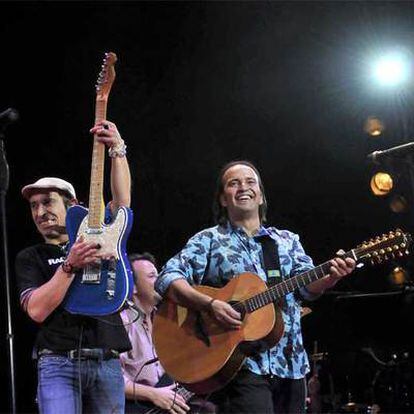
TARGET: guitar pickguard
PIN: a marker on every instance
(106, 237)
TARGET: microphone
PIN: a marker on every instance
(7, 117)
(399, 151)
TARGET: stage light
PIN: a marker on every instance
(381, 183)
(374, 126)
(392, 70)
(398, 276)
(398, 204)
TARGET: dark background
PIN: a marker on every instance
(283, 84)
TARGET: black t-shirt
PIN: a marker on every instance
(62, 330)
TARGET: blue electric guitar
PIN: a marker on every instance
(101, 288)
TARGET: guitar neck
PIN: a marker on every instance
(96, 200)
(185, 393)
(287, 286)
(375, 250)
(181, 391)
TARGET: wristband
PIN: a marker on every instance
(118, 150)
(210, 304)
(68, 267)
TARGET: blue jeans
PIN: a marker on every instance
(58, 389)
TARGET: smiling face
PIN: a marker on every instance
(145, 274)
(241, 194)
(49, 215)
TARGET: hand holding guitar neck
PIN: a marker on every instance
(107, 133)
(169, 399)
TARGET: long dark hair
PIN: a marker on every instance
(220, 212)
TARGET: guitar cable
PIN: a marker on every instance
(128, 304)
(149, 362)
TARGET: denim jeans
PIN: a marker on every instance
(58, 389)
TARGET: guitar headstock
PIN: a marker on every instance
(106, 76)
(391, 245)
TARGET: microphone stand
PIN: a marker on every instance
(4, 185)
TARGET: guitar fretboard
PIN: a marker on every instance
(95, 218)
(287, 286)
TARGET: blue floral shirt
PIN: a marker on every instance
(215, 255)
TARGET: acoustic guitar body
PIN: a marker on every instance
(197, 351)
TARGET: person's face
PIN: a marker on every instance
(241, 192)
(48, 213)
(145, 276)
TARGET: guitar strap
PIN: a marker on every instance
(271, 260)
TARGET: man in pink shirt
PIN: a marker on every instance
(142, 371)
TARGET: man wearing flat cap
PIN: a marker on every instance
(77, 356)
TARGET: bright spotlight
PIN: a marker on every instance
(381, 183)
(392, 70)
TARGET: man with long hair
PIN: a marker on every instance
(271, 380)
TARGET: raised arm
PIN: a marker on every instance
(108, 133)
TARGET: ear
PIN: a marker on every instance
(223, 201)
(73, 202)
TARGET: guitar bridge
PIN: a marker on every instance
(92, 274)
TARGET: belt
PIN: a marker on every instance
(83, 353)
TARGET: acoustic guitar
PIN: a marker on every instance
(204, 356)
(101, 288)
